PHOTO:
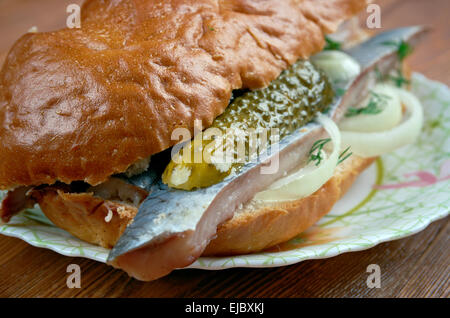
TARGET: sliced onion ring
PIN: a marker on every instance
(304, 181)
(388, 118)
(373, 144)
(338, 66)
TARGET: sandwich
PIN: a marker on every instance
(167, 130)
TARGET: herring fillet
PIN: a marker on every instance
(173, 227)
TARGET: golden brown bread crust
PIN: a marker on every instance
(83, 104)
(262, 227)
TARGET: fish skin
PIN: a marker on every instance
(168, 212)
(370, 51)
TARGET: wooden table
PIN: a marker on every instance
(417, 266)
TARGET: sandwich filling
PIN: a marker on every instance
(287, 104)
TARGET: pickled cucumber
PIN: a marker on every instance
(287, 104)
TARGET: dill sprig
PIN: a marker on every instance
(344, 155)
(399, 79)
(403, 48)
(340, 91)
(373, 107)
(331, 44)
(315, 154)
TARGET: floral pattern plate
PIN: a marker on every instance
(399, 195)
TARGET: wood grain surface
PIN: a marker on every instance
(417, 266)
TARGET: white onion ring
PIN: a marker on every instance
(373, 144)
(306, 180)
(339, 66)
(388, 118)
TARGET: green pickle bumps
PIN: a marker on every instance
(287, 104)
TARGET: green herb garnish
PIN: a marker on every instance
(403, 48)
(344, 155)
(399, 79)
(211, 28)
(331, 44)
(340, 91)
(373, 107)
(315, 154)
